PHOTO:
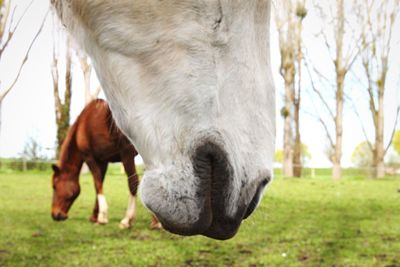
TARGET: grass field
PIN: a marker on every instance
(301, 222)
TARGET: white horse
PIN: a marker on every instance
(189, 83)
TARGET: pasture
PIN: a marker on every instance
(300, 222)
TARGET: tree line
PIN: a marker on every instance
(353, 32)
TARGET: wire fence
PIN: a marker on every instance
(364, 171)
(23, 165)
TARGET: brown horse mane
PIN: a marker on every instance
(68, 142)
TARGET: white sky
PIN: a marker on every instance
(28, 111)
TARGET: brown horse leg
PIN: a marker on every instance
(129, 165)
(155, 223)
(100, 210)
(128, 161)
(95, 213)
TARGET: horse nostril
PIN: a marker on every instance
(256, 198)
(211, 164)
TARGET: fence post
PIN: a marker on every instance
(312, 172)
(24, 165)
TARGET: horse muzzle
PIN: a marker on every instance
(59, 216)
(202, 196)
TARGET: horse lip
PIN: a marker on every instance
(228, 227)
(223, 231)
(198, 228)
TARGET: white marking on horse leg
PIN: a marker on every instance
(130, 213)
(102, 218)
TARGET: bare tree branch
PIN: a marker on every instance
(362, 125)
(12, 29)
(393, 131)
(55, 74)
(327, 132)
(97, 91)
(21, 17)
(25, 59)
(322, 33)
(318, 92)
(319, 73)
(319, 118)
(4, 18)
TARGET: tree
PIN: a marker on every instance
(335, 25)
(289, 19)
(305, 154)
(87, 71)
(7, 32)
(32, 150)
(279, 156)
(285, 26)
(362, 155)
(62, 105)
(301, 13)
(377, 19)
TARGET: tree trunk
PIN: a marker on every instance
(340, 69)
(336, 171)
(62, 108)
(287, 136)
(87, 71)
(297, 164)
(62, 129)
(1, 102)
(86, 75)
(379, 150)
(337, 156)
(380, 169)
(287, 150)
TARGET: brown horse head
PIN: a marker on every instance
(66, 189)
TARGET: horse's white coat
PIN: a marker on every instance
(177, 73)
(130, 215)
(102, 217)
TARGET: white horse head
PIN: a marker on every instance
(189, 83)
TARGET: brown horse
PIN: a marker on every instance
(93, 139)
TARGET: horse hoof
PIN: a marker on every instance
(123, 225)
(102, 222)
(93, 219)
(102, 219)
(126, 223)
(155, 226)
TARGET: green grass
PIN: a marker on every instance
(301, 222)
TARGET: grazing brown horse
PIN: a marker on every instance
(93, 139)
